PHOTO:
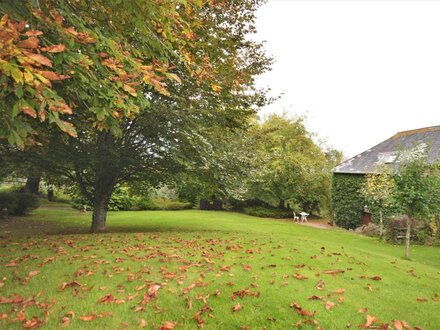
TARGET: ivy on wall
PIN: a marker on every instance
(347, 202)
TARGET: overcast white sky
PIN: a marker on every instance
(359, 70)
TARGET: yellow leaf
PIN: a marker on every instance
(130, 90)
(216, 88)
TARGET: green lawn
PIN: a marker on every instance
(194, 266)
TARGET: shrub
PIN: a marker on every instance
(17, 203)
(121, 200)
(371, 230)
(8, 202)
(264, 212)
(421, 231)
(143, 203)
(26, 202)
(168, 204)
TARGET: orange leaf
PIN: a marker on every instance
(421, 299)
(167, 325)
(54, 48)
(29, 43)
(33, 323)
(28, 110)
(53, 75)
(329, 305)
(108, 298)
(33, 33)
(363, 310)
(370, 320)
(333, 271)
(300, 276)
(34, 272)
(142, 323)
(130, 90)
(340, 291)
(237, 307)
(376, 278)
(88, 318)
(398, 324)
(40, 59)
(320, 285)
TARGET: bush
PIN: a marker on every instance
(8, 202)
(146, 203)
(26, 202)
(17, 203)
(371, 230)
(421, 231)
(121, 200)
(264, 212)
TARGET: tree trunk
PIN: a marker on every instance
(33, 184)
(381, 223)
(106, 174)
(99, 216)
(407, 236)
(281, 204)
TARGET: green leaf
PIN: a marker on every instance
(19, 91)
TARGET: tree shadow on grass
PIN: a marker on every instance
(20, 227)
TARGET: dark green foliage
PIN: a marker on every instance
(264, 212)
(8, 202)
(347, 202)
(17, 203)
(147, 203)
(421, 231)
(119, 201)
(122, 200)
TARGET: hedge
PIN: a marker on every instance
(347, 203)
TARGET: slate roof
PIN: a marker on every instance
(390, 150)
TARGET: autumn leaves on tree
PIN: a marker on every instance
(135, 85)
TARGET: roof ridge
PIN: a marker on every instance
(416, 131)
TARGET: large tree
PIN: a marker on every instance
(141, 83)
(289, 166)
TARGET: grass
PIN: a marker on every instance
(200, 259)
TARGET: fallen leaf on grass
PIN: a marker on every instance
(363, 310)
(320, 285)
(421, 299)
(316, 297)
(168, 325)
(245, 292)
(339, 291)
(33, 323)
(301, 311)
(333, 271)
(65, 320)
(108, 298)
(376, 278)
(87, 318)
(70, 284)
(300, 276)
(33, 273)
(142, 323)
(329, 305)
(400, 325)
(237, 307)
